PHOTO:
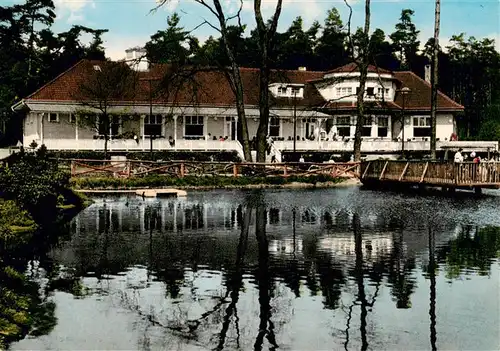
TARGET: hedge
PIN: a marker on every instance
(217, 181)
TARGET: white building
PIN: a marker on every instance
(195, 110)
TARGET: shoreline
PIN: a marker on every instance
(293, 185)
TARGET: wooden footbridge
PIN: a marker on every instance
(447, 175)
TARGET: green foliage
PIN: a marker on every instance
(405, 39)
(16, 225)
(474, 81)
(173, 45)
(32, 54)
(21, 309)
(34, 182)
(474, 249)
(490, 128)
(217, 181)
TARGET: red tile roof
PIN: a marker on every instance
(208, 86)
(353, 67)
(419, 98)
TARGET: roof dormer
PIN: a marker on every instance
(287, 90)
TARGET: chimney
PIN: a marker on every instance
(302, 68)
(427, 74)
(136, 58)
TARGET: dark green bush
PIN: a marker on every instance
(34, 182)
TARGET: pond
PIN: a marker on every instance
(342, 268)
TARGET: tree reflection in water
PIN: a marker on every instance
(361, 294)
(266, 326)
(210, 271)
(432, 295)
(235, 281)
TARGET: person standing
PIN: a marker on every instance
(459, 158)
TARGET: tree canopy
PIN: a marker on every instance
(32, 54)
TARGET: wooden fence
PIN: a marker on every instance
(133, 168)
(466, 174)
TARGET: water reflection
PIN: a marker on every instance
(318, 272)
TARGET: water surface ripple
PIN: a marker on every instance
(292, 270)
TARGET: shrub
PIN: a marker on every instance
(217, 181)
(12, 215)
(34, 181)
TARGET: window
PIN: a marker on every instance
(274, 127)
(193, 125)
(53, 117)
(344, 91)
(344, 126)
(421, 126)
(110, 127)
(281, 90)
(295, 91)
(153, 125)
(366, 131)
(383, 127)
(115, 125)
(370, 91)
(380, 93)
(72, 118)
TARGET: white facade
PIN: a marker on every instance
(293, 126)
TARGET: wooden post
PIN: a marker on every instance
(425, 171)
(404, 171)
(285, 172)
(366, 170)
(181, 170)
(72, 168)
(383, 170)
(235, 170)
(128, 169)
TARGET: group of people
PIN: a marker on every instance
(475, 158)
(485, 170)
(221, 138)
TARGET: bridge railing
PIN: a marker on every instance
(138, 168)
(437, 173)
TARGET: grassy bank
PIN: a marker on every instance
(157, 181)
(15, 224)
(34, 198)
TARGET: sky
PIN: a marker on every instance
(131, 22)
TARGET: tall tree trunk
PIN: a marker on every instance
(234, 80)
(266, 38)
(106, 137)
(434, 78)
(30, 50)
(363, 61)
(237, 86)
(263, 110)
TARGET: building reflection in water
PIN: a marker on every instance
(317, 251)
